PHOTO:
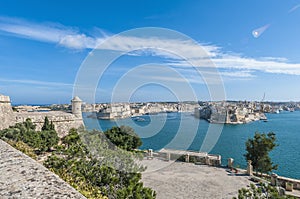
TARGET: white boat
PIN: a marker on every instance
(138, 119)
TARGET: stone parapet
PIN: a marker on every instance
(22, 177)
(4, 99)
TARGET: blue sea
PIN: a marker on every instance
(184, 131)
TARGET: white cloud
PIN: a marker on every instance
(47, 32)
(168, 48)
(36, 82)
(235, 62)
(163, 47)
(210, 55)
(78, 41)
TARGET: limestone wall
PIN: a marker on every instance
(63, 121)
(22, 177)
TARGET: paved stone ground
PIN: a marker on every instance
(22, 177)
(187, 180)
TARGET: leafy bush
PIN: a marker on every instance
(124, 137)
(25, 132)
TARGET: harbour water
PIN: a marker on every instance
(178, 132)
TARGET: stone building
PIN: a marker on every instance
(113, 111)
(63, 121)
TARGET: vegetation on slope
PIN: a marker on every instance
(40, 141)
(85, 160)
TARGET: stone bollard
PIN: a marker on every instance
(168, 156)
(249, 168)
(230, 162)
(150, 153)
(187, 157)
(274, 180)
(207, 162)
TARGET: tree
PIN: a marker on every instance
(258, 150)
(49, 138)
(124, 137)
(48, 135)
(47, 125)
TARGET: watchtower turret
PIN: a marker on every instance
(76, 106)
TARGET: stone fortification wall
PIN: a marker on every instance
(22, 177)
(6, 112)
(63, 121)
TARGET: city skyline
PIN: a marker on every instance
(253, 44)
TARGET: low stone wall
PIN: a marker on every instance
(22, 177)
(281, 181)
(186, 156)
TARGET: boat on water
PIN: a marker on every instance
(276, 111)
(263, 118)
(139, 119)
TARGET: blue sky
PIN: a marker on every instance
(254, 44)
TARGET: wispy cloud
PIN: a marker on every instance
(48, 32)
(36, 82)
(233, 65)
(294, 8)
(211, 55)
